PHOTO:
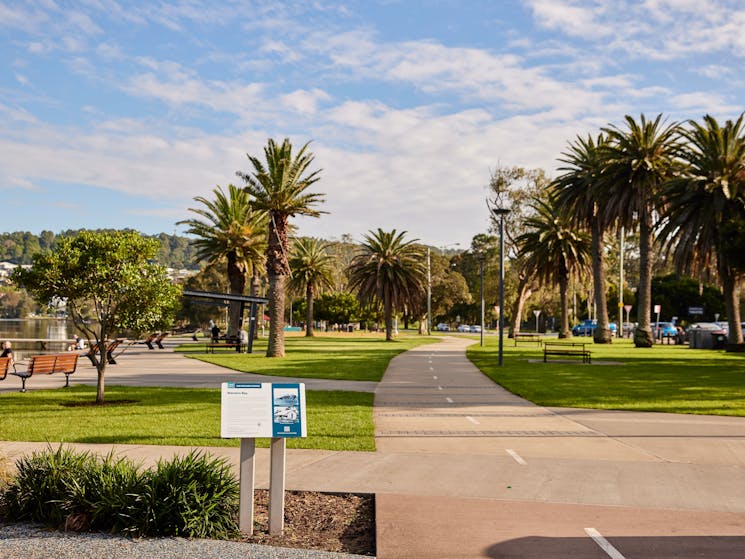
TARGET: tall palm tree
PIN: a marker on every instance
(636, 162)
(279, 186)
(232, 229)
(580, 199)
(312, 271)
(703, 203)
(555, 250)
(389, 271)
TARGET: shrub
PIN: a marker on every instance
(191, 496)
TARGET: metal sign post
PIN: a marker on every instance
(266, 410)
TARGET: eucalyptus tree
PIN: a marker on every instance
(555, 250)
(312, 272)
(705, 209)
(518, 187)
(279, 186)
(637, 161)
(389, 271)
(581, 199)
(230, 228)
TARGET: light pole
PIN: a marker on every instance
(620, 285)
(500, 213)
(429, 294)
(481, 276)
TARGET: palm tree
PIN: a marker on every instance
(233, 230)
(636, 162)
(389, 271)
(280, 188)
(555, 250)
(312, 271)
(703, 203)
(581, 199)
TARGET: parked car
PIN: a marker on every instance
(587, 328)
(664, 330)
(475, 329)
(628, 328)
(464, 328)
(442, 327)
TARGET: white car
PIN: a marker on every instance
(475, 329)
(442, 327)
(464, 328)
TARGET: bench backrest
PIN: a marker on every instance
(4, 367)
(56, 363)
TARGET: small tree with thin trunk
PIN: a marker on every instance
(110, 284)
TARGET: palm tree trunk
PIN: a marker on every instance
(564, 331)
(524, 292)
(237, 279)
(643, 332)
(255, 285)
(309, 310)
(388, 314)
(276, 296)
(602, 333)
(730, 285)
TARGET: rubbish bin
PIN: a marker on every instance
(699, 338)
(719, 341)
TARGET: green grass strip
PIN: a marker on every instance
(173, 416)
(664, 378)
(338, 357)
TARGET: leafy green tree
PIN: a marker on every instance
(556, 251)
(389, 271)
(109, 284)
(340, 307)
(579, 194)
(233, 230)
(312, 270)
(279, 187)
(637, 161)
(703, 203)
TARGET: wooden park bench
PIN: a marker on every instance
(570, 349)
(528, 338)
(228, 343)
(95, 350)
(159, 340)
(48, 364)
(6, 364)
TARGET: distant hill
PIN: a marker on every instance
(18, 247)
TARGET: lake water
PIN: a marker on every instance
(52, 329)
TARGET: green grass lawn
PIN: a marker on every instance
(663, 378)
(173, 416)
(335, 357)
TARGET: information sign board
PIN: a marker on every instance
(262, 410)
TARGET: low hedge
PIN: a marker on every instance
(190, 496)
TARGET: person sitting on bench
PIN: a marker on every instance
(7, 351)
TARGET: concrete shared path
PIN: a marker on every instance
(466, 469)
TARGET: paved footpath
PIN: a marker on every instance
(466, 469)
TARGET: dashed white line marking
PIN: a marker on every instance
(439, 388)
(604, 544)
(431, 369)
(473, 420)
(449, 400)
(434, 377)
(516, 456)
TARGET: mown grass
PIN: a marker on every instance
(664, 378)
(173, 416)
(337, 357)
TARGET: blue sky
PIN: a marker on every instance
(116, 114)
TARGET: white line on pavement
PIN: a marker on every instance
(473, 420)
(450, 400)
(516, 456)
(604, 544)
(434, 377)
(439, 388)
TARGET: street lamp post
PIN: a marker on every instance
(500, 213)
(429, 294)
(481, 276)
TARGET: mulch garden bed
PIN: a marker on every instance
(342, 523)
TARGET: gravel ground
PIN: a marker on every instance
(27, 541)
